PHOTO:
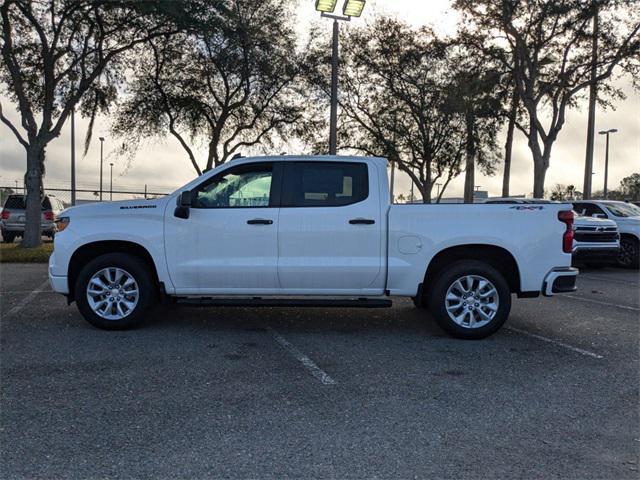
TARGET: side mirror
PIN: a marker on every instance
(183, 203)
(599, 215)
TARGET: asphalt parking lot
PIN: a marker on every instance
(314, 393)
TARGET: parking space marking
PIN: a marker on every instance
(555, 342)
(309, 364)
(26, 300)
(625, 307)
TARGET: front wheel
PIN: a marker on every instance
(629, 256)
(8, 237)
(470, 299)
(114, 291)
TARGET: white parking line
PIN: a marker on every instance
(314, 369)
(26, 300)
(625, 307)
(555, 342)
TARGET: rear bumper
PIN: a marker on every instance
(19, 227)
(560, 280)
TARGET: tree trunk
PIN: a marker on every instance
(470, 167)
(508, 146)
(425, 191)
(539, 172)
(33, 182)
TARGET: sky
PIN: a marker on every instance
(163, 167)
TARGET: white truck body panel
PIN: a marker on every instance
(314, 250)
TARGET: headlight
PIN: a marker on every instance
(62, 223)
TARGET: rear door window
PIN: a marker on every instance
(324, 184)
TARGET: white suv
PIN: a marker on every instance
(626, 216)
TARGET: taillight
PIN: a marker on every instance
(566, 217)
(48, 215)
(5, 214)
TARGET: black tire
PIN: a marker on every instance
(447, 277)
(629, 256)
(418, 302)
(8, 237)
(135, 267)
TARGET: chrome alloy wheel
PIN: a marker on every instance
(472, 301)
(112, 293)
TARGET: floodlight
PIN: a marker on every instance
(326, 6)
(353, 8)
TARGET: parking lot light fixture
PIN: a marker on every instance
(353, 8)
(326, 6)
(606, 160)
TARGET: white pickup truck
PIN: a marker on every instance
(309, 231)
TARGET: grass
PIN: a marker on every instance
(14, 253)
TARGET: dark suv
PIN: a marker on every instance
(13, 215)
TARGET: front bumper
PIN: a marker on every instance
(59, 284)
(560, 280)
(596, 254)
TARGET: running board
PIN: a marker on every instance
(288, 302)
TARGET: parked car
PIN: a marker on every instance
(12, 218)
(596, 241)
(309, 231)
(627, 217)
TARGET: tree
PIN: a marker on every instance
(562, 192)
(630, 186)
(473, 96)
(393, 101)
(229, 89)
(550, 43)
(58, 54)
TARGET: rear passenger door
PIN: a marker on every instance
(329, 230)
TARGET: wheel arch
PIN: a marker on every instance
(89, 251)
(498, 257)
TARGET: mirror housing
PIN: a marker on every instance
(183, 204)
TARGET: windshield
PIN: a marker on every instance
(623, 209)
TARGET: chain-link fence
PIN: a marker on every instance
(88, 194)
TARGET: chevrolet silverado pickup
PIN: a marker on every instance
(309, 231)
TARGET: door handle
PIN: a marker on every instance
(260, 221)
(361, 221)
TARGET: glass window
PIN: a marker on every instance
(243, 186)
(324, 184)
(589, 209)
(623, 209)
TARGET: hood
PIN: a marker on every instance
(123, 206)
(580, 221)
(628, 220)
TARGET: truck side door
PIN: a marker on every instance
(330, 229)
(229, 242)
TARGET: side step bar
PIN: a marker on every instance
(288, 302)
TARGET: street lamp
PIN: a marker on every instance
(351, 8)
(101, 158)
(111, 184)
(606, 158)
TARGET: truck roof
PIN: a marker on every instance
(309, 158)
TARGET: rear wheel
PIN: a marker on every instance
(629, 256)
(114, 291)
(470, 299)
(8, 237)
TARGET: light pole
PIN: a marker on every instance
(101, 158)
(606, 158)
(593, 92)
(111, 184)
(351, 8)
(73, 156)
